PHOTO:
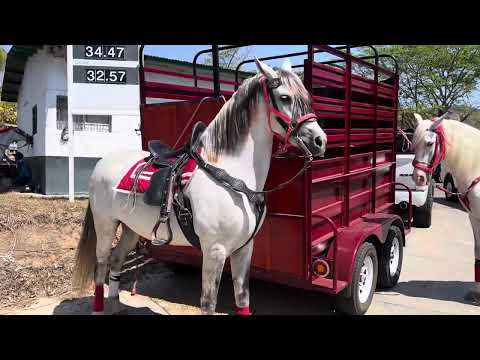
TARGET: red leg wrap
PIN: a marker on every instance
(477, 270)
(244, 311)
(98, 300)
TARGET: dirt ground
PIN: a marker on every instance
(37, 247)
(38, 241)
(38, 238)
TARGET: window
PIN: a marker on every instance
(62, 112)
(92, 123)
(34, 120)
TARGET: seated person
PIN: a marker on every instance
(24, 173)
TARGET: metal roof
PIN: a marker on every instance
(18, 56)
(164, 60)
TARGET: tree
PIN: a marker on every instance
(437, 79)
(3, 58)
(8, 113)
(229, 59)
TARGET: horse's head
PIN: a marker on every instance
(429, 145)
(289, 104)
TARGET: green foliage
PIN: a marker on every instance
(437, 78)
(3, 58)
(8, 113)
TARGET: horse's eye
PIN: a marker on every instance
(285, 98)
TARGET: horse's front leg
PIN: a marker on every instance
(240, 265)
(213, 262)
(474, 294)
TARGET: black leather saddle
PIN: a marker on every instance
(162, 152)
(162, 191)
(169, 163)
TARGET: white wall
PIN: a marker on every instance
(32, 92)
(45, 78)
(2, 73)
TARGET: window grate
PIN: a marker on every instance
(87, 123)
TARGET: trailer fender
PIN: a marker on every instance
(373, 229)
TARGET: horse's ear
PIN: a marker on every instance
(437, 122)
(265, 69)
(419, 118)
(287, 65)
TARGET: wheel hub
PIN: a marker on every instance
(449, 188)
(365, 283)
(394, 256)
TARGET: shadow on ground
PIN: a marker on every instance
(450, 204)
(184, 287)
(454, 291)
(82, 306)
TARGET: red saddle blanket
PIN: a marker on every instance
(125, 185)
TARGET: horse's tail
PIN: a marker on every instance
(86, 257)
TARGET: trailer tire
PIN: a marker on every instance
(422, 216)
(449, 185)
(364, 281)
(390, 258)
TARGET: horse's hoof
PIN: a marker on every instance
(473, 297)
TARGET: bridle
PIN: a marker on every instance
(291, 126)
(439, 152)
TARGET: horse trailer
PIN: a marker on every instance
(334, 229)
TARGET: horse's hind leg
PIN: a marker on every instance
(240, 265)
(474, 294)
(127, 242)
(213, 262)
(105, 229)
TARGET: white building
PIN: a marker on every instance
(36, 79)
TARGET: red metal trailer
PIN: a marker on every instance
(333, 229)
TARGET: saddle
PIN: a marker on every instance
(162, 191)
(165, 188)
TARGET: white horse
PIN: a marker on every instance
(458, 146)
(239, 140)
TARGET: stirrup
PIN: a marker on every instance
(160, 242)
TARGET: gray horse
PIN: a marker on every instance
(239, 140)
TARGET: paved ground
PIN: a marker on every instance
(437, 273)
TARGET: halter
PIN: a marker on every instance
(291, 126)
(438, 155)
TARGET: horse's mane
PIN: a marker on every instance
(230, 127)
(425, 124)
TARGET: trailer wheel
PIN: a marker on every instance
(450, 186)
(364, 280)
(422, 216)
(390, 258)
